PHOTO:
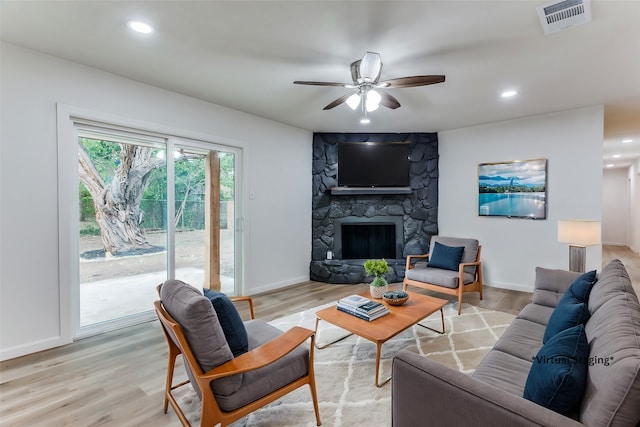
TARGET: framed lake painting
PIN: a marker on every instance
(515, 189)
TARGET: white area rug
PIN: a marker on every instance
(345, 370)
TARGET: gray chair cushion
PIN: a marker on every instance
(551, 285)
(437, 276)
(260, 382)
(195, 314)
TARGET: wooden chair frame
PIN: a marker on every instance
(475, 286)
(211, 414)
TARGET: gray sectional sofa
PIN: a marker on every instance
(425, 392)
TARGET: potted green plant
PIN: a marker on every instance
(377, 268)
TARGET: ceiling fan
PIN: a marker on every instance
(365, 73)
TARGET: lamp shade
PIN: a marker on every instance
(579, 232)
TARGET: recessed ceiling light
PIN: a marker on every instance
(509, 93)
(615, 156)
(140, 27)
(610, 165)
(626, 141)
(365, 120)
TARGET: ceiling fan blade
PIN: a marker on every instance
(338, 101)
(388, 100)
(300, 82)
(412, 81)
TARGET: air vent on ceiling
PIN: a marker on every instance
(558, 16)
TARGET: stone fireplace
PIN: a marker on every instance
(374, 223)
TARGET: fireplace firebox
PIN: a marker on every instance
(365, 238)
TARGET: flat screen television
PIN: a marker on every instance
(373, 164)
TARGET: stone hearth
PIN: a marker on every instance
(415, 214)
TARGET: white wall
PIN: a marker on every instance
(634, 211)
(512, 248)
(615, 206)
(277, 221)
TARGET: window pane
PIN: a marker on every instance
(190, 216)
(122, 228)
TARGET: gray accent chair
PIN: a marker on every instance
(468, 277)
(229, 387)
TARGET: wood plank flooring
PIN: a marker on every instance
(116, 379)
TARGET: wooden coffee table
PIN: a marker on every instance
(386, 327)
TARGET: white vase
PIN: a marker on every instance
(378, 291)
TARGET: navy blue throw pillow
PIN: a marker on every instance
(572, 308)
(558, 375)
(230, 321)
(569, 314)
(446, 257)
(581, 287)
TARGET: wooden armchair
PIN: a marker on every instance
(457, 278)
(231, 387)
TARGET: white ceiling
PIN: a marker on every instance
(246, 54)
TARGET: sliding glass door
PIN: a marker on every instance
(143, 212)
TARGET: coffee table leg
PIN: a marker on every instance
(320, 347)
(378, 351)
(435, 330)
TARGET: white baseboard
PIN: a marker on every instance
(32, 347)
(273, 286)
(512, 286)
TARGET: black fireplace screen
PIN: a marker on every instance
(365, 241)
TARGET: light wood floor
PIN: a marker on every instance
(116, 379)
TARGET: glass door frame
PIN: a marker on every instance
(70, 120)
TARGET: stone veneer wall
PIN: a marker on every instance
(419, 209)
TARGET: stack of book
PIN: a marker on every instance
(362, 307)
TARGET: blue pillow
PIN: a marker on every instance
(446, 257)
(566, 315)
(581, 287)
(230, 321)
(558, 375)
(572, 308)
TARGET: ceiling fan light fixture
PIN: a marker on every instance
(370, 66)
(353, 101)
(373, 100)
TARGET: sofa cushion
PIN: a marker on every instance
(201, 327)
(613, 280)
(550, 285)
(503, 370)
(567, 314)
(447, 257)
(612, 396)
(536, 313)
(522, 339)
(558, 374)
(230, 320)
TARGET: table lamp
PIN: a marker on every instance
(579, 233)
